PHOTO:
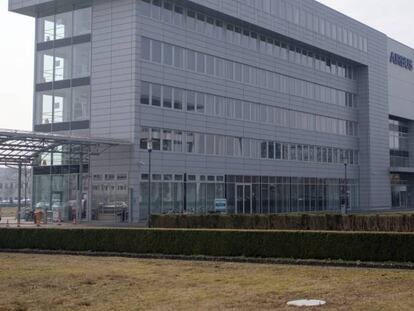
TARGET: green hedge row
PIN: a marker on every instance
(349, 246)
(386, 223)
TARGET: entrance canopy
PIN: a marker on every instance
(23, 147)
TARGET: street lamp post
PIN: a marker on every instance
(149, 148)
(346, 187)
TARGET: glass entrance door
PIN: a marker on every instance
(399, 196)
(243, 199)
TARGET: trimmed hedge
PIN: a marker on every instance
(349, 246)
(378, 223)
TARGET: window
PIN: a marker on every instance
(156, 139)
(190, 101)
(156, 9)
(146, 48)
(82, 21)
(166, 140)
(200, 63)
(210, 65)
(167, 97)
(293, 152)
(61, 106)
(156, 95)
(271, 150)
(44, 106)
(191, 65)
(63, 25)
(200, 142)
(219, 145)
(178, 141)
(156, 51)
(200, 102)
(81, 97)
(46, 29)
(229, 146)
(81, 60)
(62, 63)
(178, 15)
(178, 99)
(263, 150)
(45, 66)
(145, 93)
(145, 134)
(190, 141)
(178, 57)
(168, 54)
(167, 12)
(209, 144)
(229, 70)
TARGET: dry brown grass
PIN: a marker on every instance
(43, 282)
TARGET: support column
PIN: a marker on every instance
(80, 187)
(19, 195)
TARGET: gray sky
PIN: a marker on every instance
(395, 18)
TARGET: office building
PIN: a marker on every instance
(277, 106)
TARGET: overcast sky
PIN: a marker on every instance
(395, 18)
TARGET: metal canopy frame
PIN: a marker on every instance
(23, 148)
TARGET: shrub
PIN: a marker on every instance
(352, 246)
(395, 223)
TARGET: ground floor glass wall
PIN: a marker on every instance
(110, 197)
(57, 196)
(195, 194)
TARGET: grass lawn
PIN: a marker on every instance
(43, 282)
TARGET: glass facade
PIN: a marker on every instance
(62, 96)
(58, 65)
(399, 145)
(399, 192)
(110, 197)
(64, 25)
(195, 194)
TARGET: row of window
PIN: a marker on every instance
(191, 142)
(8, 186)
(197, 102)
(167, 54)
(63, 105)
(110, 177)
(301, 17)
(236, 34)
(180, 178)
(64, 25)
(64, 63)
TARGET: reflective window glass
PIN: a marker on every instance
(156, 51)
(81, 60)
(145, 93)
(81, 97)
(156, 95)
(167, 97)
(44, 66)
(46, 28)
(63, 25)
(82, 21)
(63, 63)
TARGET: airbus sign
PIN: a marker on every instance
(401, 61)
